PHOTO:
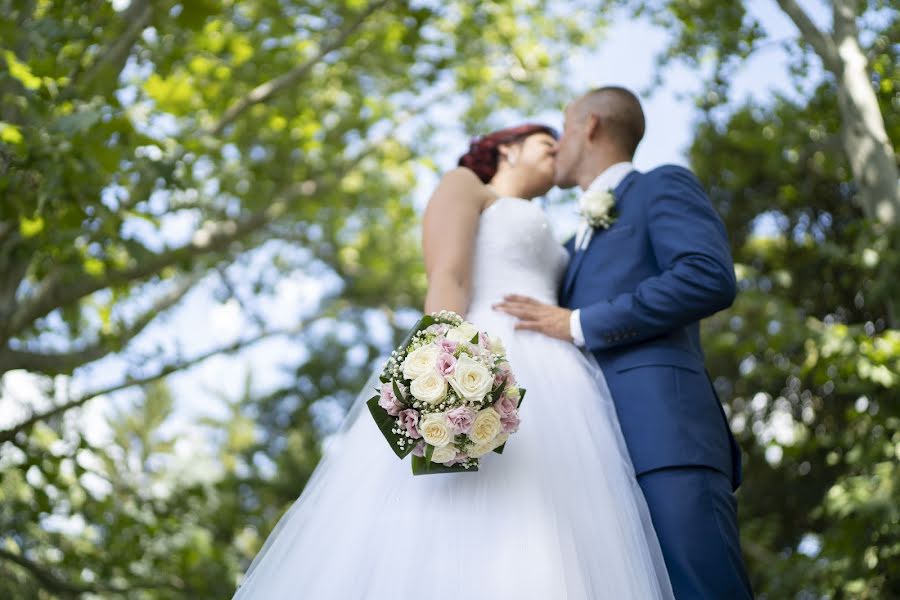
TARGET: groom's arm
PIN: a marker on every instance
(697, 279)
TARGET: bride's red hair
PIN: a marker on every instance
(484, 152)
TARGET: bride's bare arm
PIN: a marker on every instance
(448, 239)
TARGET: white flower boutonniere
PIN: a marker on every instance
(597, 207)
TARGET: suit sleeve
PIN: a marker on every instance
(696, 280)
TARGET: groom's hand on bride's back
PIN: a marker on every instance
(548, 319)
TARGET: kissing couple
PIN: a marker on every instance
(620, 481)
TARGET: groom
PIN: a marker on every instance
(650, 260)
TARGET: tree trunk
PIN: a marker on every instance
(866, 144)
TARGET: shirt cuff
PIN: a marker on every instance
(575, 328)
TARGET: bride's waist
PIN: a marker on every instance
(484, 299)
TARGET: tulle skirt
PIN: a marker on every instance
(559, 515)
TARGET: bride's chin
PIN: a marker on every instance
(543, 188)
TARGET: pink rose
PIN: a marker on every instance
(419, 449)
(436, 329)
(409, 420)
(446, 363)
(506, 406)
(448, 346)
(484, 340)
(460, 457)
(388, 401)
(461, 419)
(504, 373)
(509, 423)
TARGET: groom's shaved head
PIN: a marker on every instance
(620, 113)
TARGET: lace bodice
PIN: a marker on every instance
(515, 252)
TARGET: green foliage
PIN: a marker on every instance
(808, 358)
(386, 424)
(172, 147)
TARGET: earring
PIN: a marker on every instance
(511, 160)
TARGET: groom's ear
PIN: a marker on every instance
(593, 126)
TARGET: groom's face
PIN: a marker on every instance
(569, 148)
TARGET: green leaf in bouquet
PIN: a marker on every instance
(397, 393)
(499, 391)
(499, 449)
(386, 423)
(429, 452)
(474, 340)
(423, 323)
(422, 467)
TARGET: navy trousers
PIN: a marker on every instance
(694, 512)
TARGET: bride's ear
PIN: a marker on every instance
(508, 153)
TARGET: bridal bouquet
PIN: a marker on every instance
(448, 396)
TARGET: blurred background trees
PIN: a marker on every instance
(155, 153)
(808, 358)
(160, 156)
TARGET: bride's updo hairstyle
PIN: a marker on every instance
(484, 152)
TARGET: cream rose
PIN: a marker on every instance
(497, 346)
(464, 332)
(429, 388)
(471, 379)
(596, 202)
(420, 361)
(480, 450)
(486, 427)
(436, 430)
(444, 454)
(596, 206)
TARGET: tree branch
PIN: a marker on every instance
(8, 435)
(267, 90)
(822, 43)
(112, 61)
(51, 582)
(61, 291)
(47, 579)
(65, 362)
(844, 13)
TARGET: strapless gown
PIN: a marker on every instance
(559, 515)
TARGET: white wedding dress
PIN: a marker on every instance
(559, 515)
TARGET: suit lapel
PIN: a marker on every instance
(578, 257)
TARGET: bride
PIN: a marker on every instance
(558, 515)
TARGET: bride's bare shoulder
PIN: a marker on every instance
(462, 183)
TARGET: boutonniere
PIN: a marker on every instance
(597, 207)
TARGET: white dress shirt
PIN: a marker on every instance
(607, 180)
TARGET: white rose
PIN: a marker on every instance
(480, 450)
(420, 361)
(464, 332)
(512, 392)
(444, 454)
(596, 203)
(497, 346)
(429, 388)
(436, 430)
(471, 379)
(486, 426)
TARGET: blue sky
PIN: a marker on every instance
(624, 56)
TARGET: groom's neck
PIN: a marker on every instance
(597, 163)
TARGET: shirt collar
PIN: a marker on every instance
(612, 176)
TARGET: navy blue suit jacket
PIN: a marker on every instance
(642, 286)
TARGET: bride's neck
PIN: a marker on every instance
(505, 184)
